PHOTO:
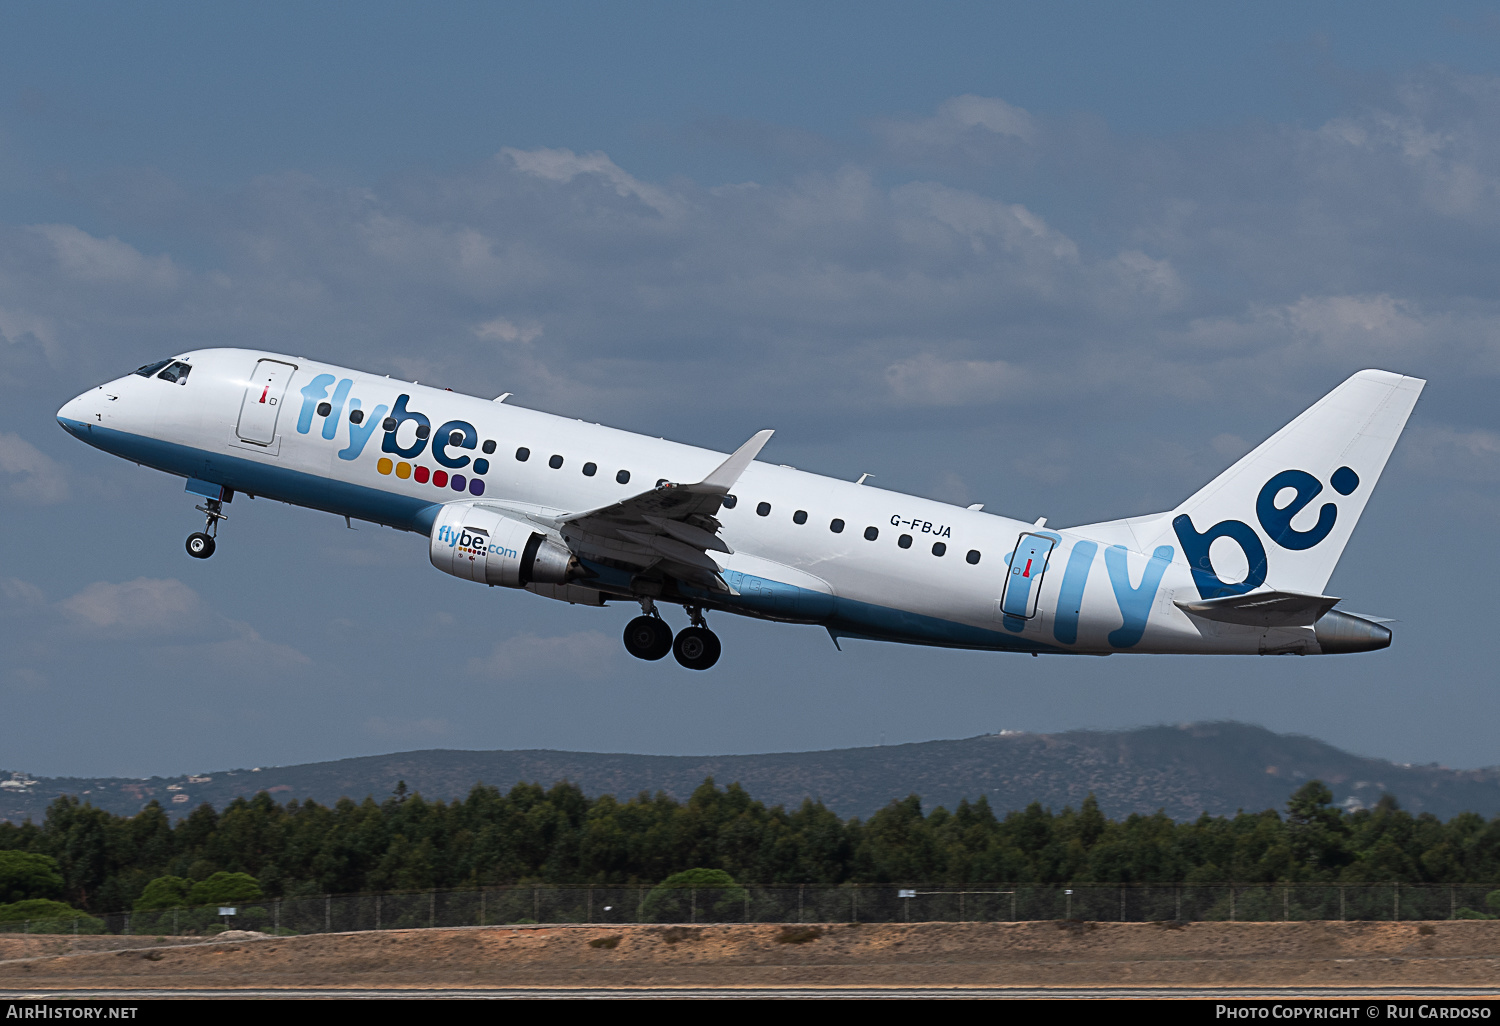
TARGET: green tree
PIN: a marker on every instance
(165, 892)
(47, 916)
(225, 889)
(25, 874)
(693, 893)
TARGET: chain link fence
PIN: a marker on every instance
(867, 903)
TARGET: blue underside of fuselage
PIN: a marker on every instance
(758, 597)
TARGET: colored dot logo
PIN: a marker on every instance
(422, 475)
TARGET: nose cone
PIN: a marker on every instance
(74, 415)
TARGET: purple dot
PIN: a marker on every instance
(476, 487)
(458, 482)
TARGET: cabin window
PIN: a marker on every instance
(799, 517)
(973, 556)
(151, 368)
(729, 501)
(623, 477)
(836, 526)
(356, 416)
(763, 509)
(177, 372)
(423, 430)
(456, 438)
(555, 463)
(324, 409)
(481, 466)
(939, 548)
(590, 469)
(488, 446)
(523, 454)
(389, 424)
(904, 541)
(871, 533)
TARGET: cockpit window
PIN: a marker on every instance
(151, 368)
(178, 372)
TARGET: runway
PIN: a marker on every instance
(1358, 994)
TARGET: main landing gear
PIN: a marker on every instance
(200, 544)
(649, 637)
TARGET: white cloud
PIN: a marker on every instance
(41, 478)
(962, 122)
(586, 654)
(82, 257)
(503, 330)
(142, 607)
(928, 380)
(565, 165)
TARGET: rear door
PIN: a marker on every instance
(262, 402)
(1023, 585)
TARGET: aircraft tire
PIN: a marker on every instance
(646, 637)
(200, 545)
(697, 648)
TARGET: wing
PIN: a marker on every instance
(673, 527)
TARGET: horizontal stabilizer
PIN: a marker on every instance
(1262, 608)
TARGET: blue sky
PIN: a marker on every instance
(1067, 260)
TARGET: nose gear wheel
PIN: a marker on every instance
(201, 544)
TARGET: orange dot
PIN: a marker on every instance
(384, 466)
(403, 470)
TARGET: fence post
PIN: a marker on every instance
(591, 904)
(1013, 905)
(747, 904)
(377, 911)
(640, 904)
(1286, 904)
(1452, 904)
(854, 904)
(1396, 914)
(1341, 903)
(536, 904)
(432, 908)
(1122, 904)
(801, 903)
(327, 913)
(1178, 893)
(693, 914)
(482, 895)
(1231, 903)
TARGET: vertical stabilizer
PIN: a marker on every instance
(1281, 516)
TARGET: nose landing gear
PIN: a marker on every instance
(201, 544)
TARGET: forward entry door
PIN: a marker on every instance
(262, 401)
(1023, 585)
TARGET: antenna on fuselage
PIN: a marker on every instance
(862, 478)
(501, 397)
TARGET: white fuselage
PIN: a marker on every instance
(878, 577)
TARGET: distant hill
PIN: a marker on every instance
(1185, 770)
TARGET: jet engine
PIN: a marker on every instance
(489, 547)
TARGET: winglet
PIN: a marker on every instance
(728, 472)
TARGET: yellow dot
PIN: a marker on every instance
(384, 466)
(403, 470)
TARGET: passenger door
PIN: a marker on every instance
(262, 402)
(1023, 584)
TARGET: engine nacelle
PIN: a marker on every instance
(491, 548)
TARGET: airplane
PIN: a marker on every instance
(586, 514)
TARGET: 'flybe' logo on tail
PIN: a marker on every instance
(1275, 519)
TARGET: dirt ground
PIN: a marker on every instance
(1068, 954)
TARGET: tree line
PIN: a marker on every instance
(558, 835)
